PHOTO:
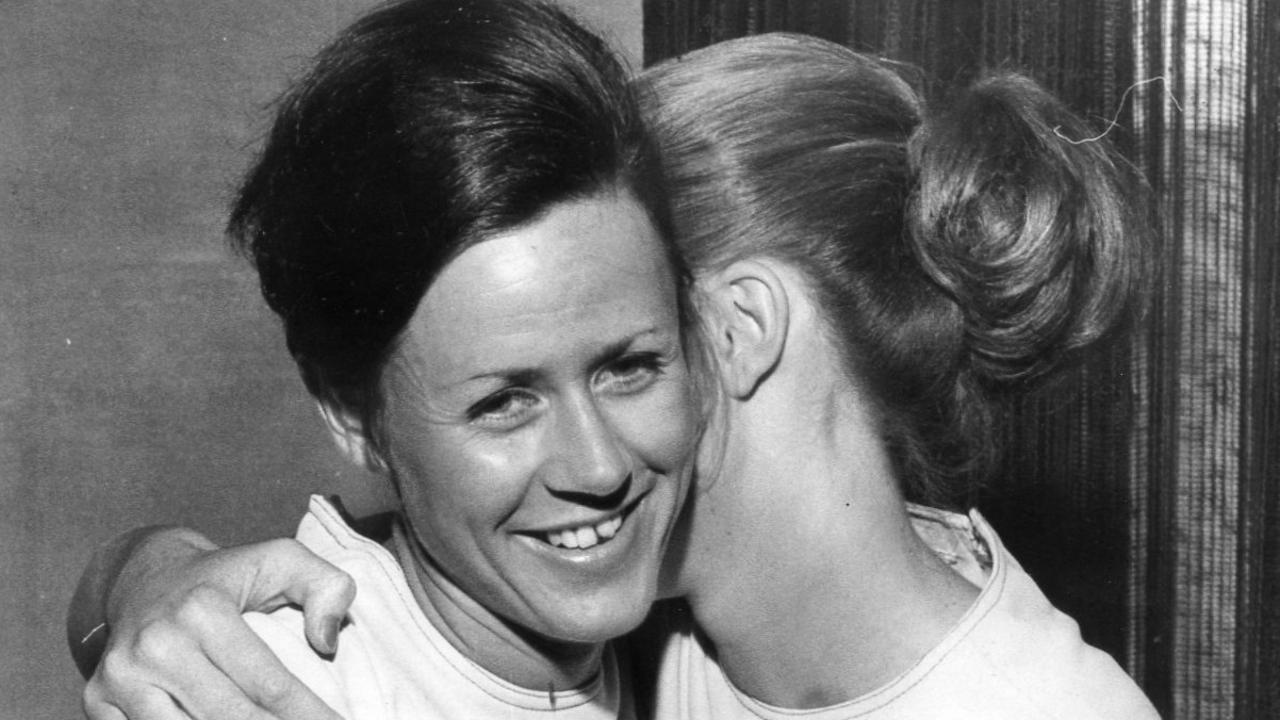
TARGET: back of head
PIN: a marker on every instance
(425, 127)
(956, 255)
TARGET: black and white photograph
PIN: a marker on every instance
(640, 359)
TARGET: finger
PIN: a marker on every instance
(228, 674)
(218, 697)
(95, 707)
(103, 712)
(114, 693)
(283, 571)
(152, 705)
(155, 706)
(324, 606)
(301, 577)
(259, 676)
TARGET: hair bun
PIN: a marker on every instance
(1037, 238)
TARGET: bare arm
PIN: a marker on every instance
(174, 645)
(87, 617)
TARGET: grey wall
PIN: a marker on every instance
(141, 378)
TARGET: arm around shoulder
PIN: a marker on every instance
(135, 554)
(157, 620)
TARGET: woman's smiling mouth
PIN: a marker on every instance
(588, 535)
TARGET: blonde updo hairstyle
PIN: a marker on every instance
(958, 254)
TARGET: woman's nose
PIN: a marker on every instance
(590, 457)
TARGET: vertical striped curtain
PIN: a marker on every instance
(1142, 492)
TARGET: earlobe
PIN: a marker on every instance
(750, 314)
(349, 435)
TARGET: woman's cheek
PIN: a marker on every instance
(661, 424)
(457, 494)
(452, 461)
(487, 458)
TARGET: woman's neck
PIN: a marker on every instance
(802, 566)
(513, 654)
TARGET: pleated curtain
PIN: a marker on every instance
(1143, 491)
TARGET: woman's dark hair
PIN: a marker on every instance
(424, 128)
(956, 255)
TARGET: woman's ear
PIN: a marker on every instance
(350, 436)
(747, 312)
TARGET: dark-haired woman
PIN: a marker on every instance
(457, 218)
(872, 279)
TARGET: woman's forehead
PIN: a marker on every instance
(588, 273)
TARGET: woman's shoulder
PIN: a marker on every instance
(391, 662)
(1015, 649)
(354, 680)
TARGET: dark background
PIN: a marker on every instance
(1144, 495)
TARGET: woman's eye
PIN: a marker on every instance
(504, 408)
(632, 373)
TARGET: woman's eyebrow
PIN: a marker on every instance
(514, 376)
(525, 376)
(622, 345)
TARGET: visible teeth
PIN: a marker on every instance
(587, 535)
(609, 528)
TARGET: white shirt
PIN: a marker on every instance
(1013, 656)
(393, 663)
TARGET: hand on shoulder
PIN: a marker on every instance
(177, 645)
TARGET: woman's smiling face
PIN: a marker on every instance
(538, 420)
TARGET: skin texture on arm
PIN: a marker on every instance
(175, 644)
(87, 615)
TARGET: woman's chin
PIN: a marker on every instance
(597, 620)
